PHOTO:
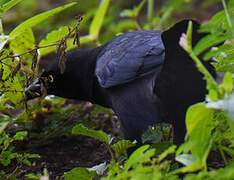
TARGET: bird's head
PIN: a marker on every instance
(50, 82)
(74, 83)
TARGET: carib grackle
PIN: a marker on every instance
(144, 76)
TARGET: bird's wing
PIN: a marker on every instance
(129, 56)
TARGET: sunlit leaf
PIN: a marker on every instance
(98, 19)
(80, 129)
(8, 5)
(121, 147)
(36, 20)
(79, 173)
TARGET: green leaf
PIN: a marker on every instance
(27, 162)
(152, 135)
(36, 20)
(227, 84)
(9, 5)
(24, 42)
(122, 146)
(213, 95)
(98, 19)
(196, 117)
(199, 124)
(20, 135)
(99, 169)
(142, 155)
(80, 129)
(33, 176)
(51, 38)
(216, 24)
(210, 40)
(170, 150)
(5, 162)
(187, 159)
(133, 13)
(31, 155)
(80, 173)
(226, 104)
(161, 147)
(3, 2)
(221, 50)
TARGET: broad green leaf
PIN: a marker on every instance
(3, 2)
(199, 123)
(80, 173)
(227, 84)
(161, 147)
(187, 159)
(133, 13)
(20, 135)
(198, 116)
(24, 42)
(210, 40)
(51, 38)
(226, 104)
(191, 168)
(80, 129)
(163, 155)
(142, 155)
(122, 146)
(213, 95)
(98, 19)
(152, 135)
(26, 162)
(223, 50)
(33, 176)
(36, 20)
(216, 23)
(8, 5)
(99, 169)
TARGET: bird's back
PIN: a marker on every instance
(129, 56)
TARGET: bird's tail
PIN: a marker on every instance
(179, 83)
(179, 73)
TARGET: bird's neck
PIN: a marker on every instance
(88, 87)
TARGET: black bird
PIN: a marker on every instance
(144, 76)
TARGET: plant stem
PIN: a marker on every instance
(29, 51)
(150, 11)
(203, 70)
(111, 153)
(223, 155)
(227, 14)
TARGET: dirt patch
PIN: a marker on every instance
(64, 154)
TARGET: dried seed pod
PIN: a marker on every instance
(43, 90)
(34, 60)
(1, 73)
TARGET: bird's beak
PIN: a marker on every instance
(34, 90)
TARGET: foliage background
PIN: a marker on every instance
(53, 117)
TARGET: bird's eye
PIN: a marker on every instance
(51, 78)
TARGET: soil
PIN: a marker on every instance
(64, 154)
(61, 152)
